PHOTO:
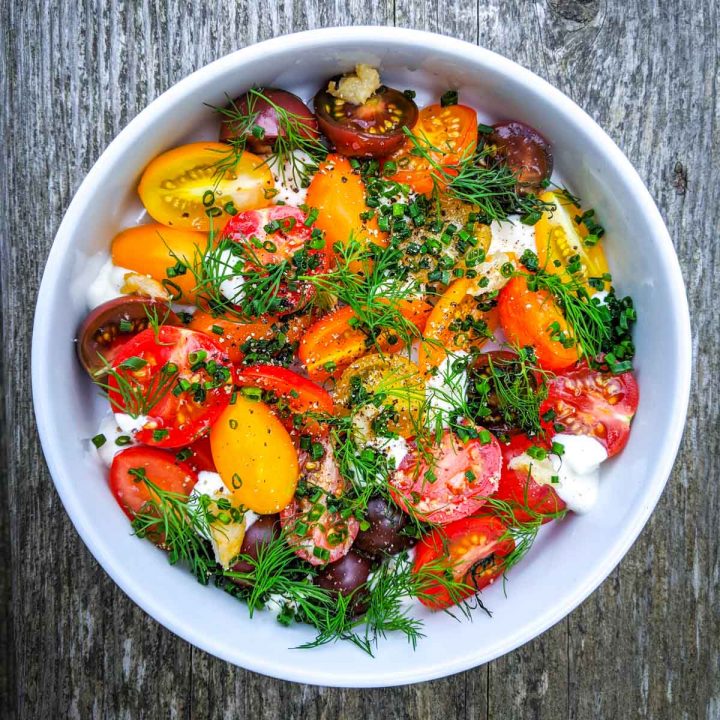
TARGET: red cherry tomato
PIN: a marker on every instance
(472, 549)
(160, 467)
(200, 458)
(588, 402)
(462, 477)
(528, 498)
(318, 534)
(373, 129)
(524, 150)
(178, 378)
(280, 234)
(263, 104)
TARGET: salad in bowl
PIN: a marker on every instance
(356, 354)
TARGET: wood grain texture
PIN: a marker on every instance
(645, 645)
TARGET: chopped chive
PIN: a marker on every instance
(99, 440)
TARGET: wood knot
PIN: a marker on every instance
(581, 11)
(680, 178)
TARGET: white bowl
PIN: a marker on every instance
(570, 559)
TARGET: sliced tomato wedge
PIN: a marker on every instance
(589, 402)
(519, 486)
(178, 378)
(473, 550)
(275, 235)
(160, 467)
(456, 483)
(332, 343)
(446, 134)
(319, 535)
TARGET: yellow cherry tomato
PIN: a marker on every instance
(155, 250)
(178, 187)
(559, 237)
(394, 376)
(338, 193)
(255, 457)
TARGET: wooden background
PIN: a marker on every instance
(646, 645)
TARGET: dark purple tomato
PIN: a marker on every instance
(110, 325)
(263, 103)
(262, 532)
(346, 575)
(373, 129)
(384, 536)
(524, 150)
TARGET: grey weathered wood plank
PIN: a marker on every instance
(647, 644)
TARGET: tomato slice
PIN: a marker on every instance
(519, 484)
(178, 378)
(318, 534)
(179, 186)
(332, 343)
(473, 549)
(447, 134)
(532, 318)
(279, 234)
(338, 193)
(161, 467)
(457, 482)
(200, 456)
(589, 402)
(373, 129)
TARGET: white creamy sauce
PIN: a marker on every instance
(224, 263)
(129, 424)
(287, 183)
(112, 431)
(511, 236)
(106, 284)
(446, 389)
(579, 471)
(210, 484)
(395, 449)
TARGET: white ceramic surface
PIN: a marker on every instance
(570, 558)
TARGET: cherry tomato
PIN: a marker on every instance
(373, 129)
(474, 550)
(524, 150)
(280, 234)
(110, 325)
(318, 534)
(462, 477)
(377, 373)
(179, 186)
(166, 254)
(519, 486)
(385, 535)
(264, 531)
(254, 456)
(532, 318)
(160, 467)
(338, 193)
(345, 576)
(232, 335)
(332, 343)
(262, 104)
(447, 134)
(181, 374)
(589, 402)
(200, 458)
(559, 237)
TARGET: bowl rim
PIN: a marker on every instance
(41, 377)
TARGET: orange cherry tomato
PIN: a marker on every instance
(455, 324)
(532, 318)
(447, 134)
(255, 456)
(155, 249)
(231, 335)
(338, 194)
(178, 186)
(331, 344)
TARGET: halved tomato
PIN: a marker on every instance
(449, 480)
(179, 379)
(332, 343)
(589, 402)
(162, 468)
(446, 134)
(472, 550)
(519, 482)
(179, 187)
(533, 318)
